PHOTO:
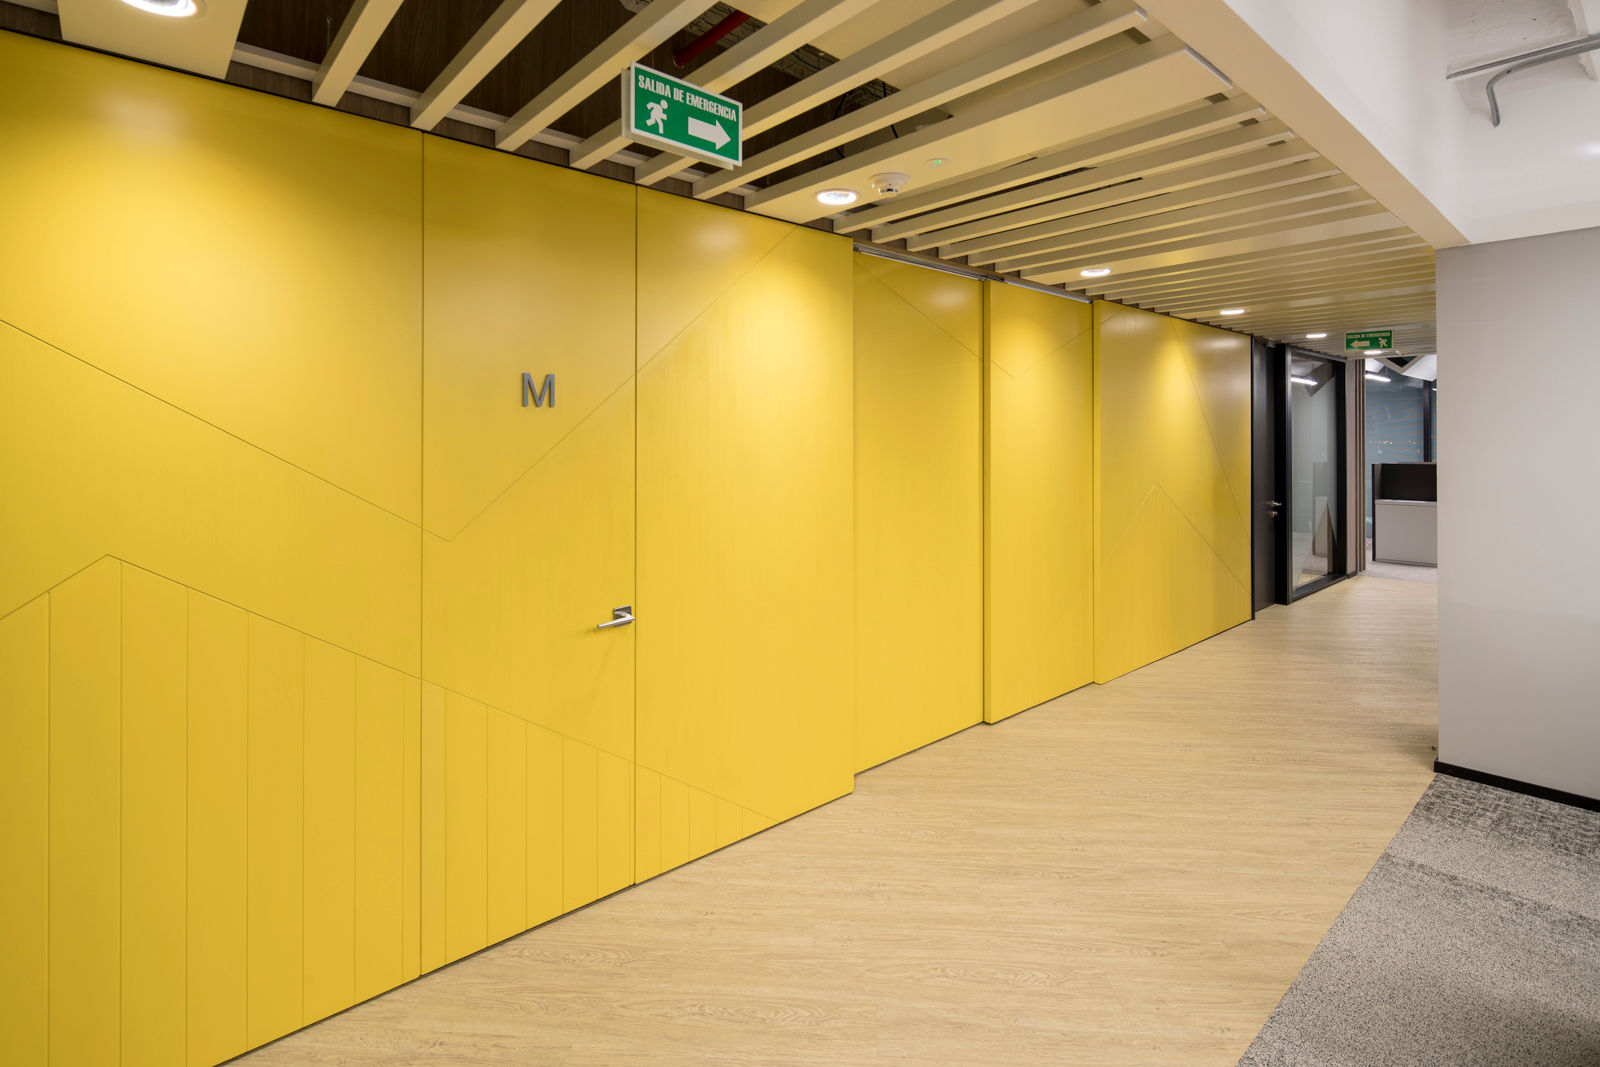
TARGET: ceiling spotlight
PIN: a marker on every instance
(1095, 272)
(837, 197)
(1315, 336)
(1297, 379)
(1371, 377)
(173, 9)
(1233, 311)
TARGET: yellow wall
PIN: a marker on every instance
(744, 525)
(1039, 474)
(918, 507)
(1172, 437)
(209, 382)
(298, 661)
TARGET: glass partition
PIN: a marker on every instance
(1316, 471)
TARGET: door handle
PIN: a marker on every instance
(1274, 503)
(619, 617)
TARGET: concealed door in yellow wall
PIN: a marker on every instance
(919, 506)
(745, 546)
(1173, 485)
(1039, 475)
(528, 508)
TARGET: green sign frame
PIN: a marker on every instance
(685, 119)
(1369, 339)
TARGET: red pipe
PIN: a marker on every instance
(691, 51)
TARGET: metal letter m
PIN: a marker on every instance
(545, 393)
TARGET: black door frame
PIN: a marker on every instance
(1338, 559)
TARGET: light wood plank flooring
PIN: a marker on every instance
(1131, 874)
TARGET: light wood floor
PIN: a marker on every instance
(1129, 874)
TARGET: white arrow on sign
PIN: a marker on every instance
(709, 131)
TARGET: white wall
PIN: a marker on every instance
(1519, 510)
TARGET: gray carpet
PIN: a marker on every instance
(1474, 940)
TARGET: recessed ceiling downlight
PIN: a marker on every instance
(172, 9)
(1095, 272)
(838, 197)
(1315, 336)
(1233, 311)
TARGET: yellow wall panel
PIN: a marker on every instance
(1038, 477)
(918, 507)
(1172, 485)
(242, 208)
(102, 468)
(379, 824)
(330, 830)
(546, 824)
(580, 845)
(507, 840)
(466, 825)
(219, 654)
(702, 822)
(411, 832)
(275, 945)
(155, 626)
(85, 757)
(515, 250)
(745, 489)
(25, 832)
(614, 823)
(647, 825)
(674, 824)
(431, 824)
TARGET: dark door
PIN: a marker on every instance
(1266, 524)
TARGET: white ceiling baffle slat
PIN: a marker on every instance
(762, 48)
(1070, 34)
(922, 37)
(511, 22)
(357, 34)
(636, 37)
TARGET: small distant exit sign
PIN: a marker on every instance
(1369, 339)
(669, 113)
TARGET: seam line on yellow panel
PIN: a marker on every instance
(206, 422)
(557, 443)
(1211, 436)
(1063, 346)
(714, 301)
(897, 294)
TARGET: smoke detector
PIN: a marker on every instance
(889, 183)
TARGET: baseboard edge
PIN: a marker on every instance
(1576, 800)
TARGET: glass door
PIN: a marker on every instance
(1316, 481)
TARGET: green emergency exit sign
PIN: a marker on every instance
(661, 110)
(1369, 339)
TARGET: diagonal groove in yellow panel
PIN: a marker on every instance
(209, 424)
(534, 465)
(1173, 504)
(1211, 437)
(876, 268)
(711, 305)
(1057, 350)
